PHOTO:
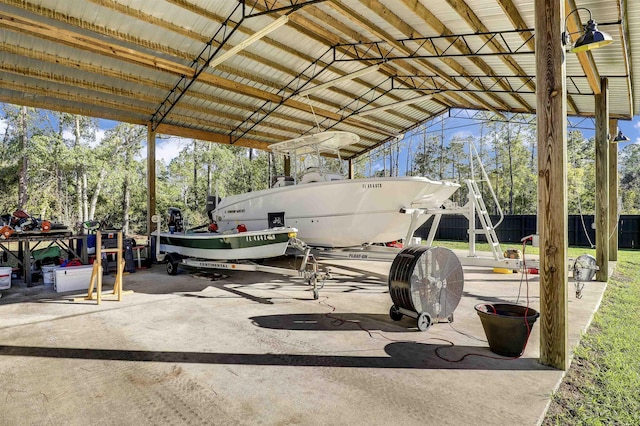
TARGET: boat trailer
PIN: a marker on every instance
(308, 269)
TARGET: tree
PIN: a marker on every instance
(426, 154)
(580, 173)
(630, 178)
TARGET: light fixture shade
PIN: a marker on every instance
(620, 137)
(591, 39)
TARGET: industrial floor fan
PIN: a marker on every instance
(425, 283)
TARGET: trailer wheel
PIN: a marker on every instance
(172, 265)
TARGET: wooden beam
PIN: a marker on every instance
(472, 20)
(111, 50)
(574, 27)
(204, 135)
(144, 85)
(552, 183)
(125, 105)
(151, 182)
(321, 34)
(137, 14)
(141, 97)
(602, 181)
(511, 11)
(160, 23)
(614, 217)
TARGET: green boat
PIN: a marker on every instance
(228, 246)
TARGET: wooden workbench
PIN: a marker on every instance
(31, 240)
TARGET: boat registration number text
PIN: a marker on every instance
(371, 185)
(267, 237)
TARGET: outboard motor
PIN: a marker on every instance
(212, 204)
(175, 220)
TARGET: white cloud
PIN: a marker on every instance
(3, 126)
(167, 148)
(99, 137)
(462, 134)
(69, 136)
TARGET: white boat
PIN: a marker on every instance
(327, 209)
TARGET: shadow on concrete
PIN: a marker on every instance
(333, 322)
(400, 355)
(483, 298)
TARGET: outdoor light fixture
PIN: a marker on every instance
(591, 37)
(620, 137)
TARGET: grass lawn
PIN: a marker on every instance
(602, 387)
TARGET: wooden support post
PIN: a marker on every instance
(613, 191)
(117, 286)
(602, 181)
(551, 97)
(287, 166)
(100, 268)
(151, 180)
(351, 171)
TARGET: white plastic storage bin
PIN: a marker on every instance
(5, 278)
(72, 278)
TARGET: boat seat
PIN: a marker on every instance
(283, 181)
(314, 174)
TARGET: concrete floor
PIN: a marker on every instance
(252, 348)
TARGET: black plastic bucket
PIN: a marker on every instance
(505, 326)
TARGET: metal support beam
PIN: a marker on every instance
(481, 83)
(270, 6)
(602, 181)
(440, 46)
(294, 86)
(200, 63)
(210, 54)
(552, 183)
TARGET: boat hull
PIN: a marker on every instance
(341, 213)
(241, 246)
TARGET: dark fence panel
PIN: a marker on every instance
(513, 228)
(629, 232)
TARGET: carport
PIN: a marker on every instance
(253, 73)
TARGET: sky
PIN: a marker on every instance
(168, 148)
(464, 127)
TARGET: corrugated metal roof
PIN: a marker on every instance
(120, 59)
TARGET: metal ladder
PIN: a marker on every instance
(476, 205)
(488, 229)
